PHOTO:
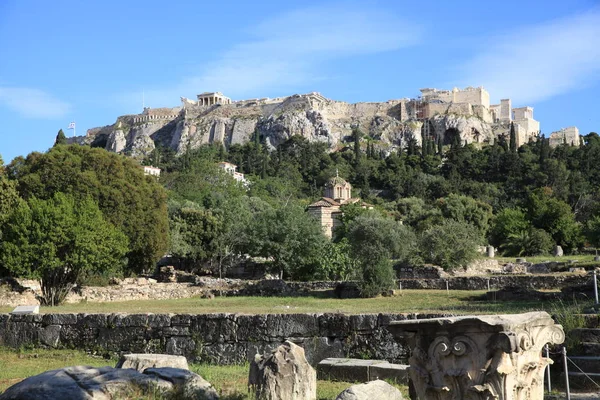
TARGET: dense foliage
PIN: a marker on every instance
(431, 204)
(135, 204)
(59, 241)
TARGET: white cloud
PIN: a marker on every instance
(539, 62)
(33, 103)
(288, 50)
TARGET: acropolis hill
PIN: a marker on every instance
(436, 114)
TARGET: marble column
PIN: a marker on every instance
(493, 357)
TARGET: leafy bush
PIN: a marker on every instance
(374, 240)
(377, 277)
(450, 245)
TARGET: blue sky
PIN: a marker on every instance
(90, 61)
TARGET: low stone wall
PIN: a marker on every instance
(548, 282)
(214, 338)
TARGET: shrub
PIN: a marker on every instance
(450, 245)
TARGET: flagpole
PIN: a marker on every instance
(74, 129)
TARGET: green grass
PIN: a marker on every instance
(405, 301)
(539, 259)
(230, 381)
(16, 365)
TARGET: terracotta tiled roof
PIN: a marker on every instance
(324, 202)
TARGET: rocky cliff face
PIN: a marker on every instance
(311, 116)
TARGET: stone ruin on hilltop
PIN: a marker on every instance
(438, 115)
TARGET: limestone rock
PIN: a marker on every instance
(83, 383)
(558, 251)
(116, 141)
(379, 390)
(188, 385)
(311, 116)
(141, 362)
(283, 375)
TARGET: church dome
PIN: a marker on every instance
(335, 181)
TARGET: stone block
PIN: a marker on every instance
(252, 328)
(50, 335)
(141, 362)
(181, 319)
(389, 372)
(92, 320)
(82, 382)
(376, 390)
(223, 353)
(127, 320)
(363, 322)
(345, 369)
(181, 346)
(159, 320)
(357, 370)
(122, 339)
(59, 319)
(292, 325)
(26, 310)
(176, 331)
(336, 325)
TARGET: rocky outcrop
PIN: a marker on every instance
(283, 375)
(116, 141)
(311, 116)
(379, 390)
(106, 383)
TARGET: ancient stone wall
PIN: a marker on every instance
(215, 338)
(550, 281)
(568, 135)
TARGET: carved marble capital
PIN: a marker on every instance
(479, 357)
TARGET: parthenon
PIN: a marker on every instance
(211, 98)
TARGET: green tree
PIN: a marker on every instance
(374, 242)
(513, 138)
(132, 202)
(508, 222)
(528, 242)
(59, 241)
(60, 138)
(288, 236)
(450, 245)
(9, 198)
(356, 137)
(466, 209)
(192, 232)
(555, 217)
(335, 262)
(592, 231)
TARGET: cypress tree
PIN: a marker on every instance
(513, 138)
(544, 150)
(356, 134)
(60, 138)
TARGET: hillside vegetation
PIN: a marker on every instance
(432, 204)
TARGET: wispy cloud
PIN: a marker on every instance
(290, 49)
(33, 103)
(539, 62)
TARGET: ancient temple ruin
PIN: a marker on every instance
(212, 98)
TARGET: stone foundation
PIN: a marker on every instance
(213, 338)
